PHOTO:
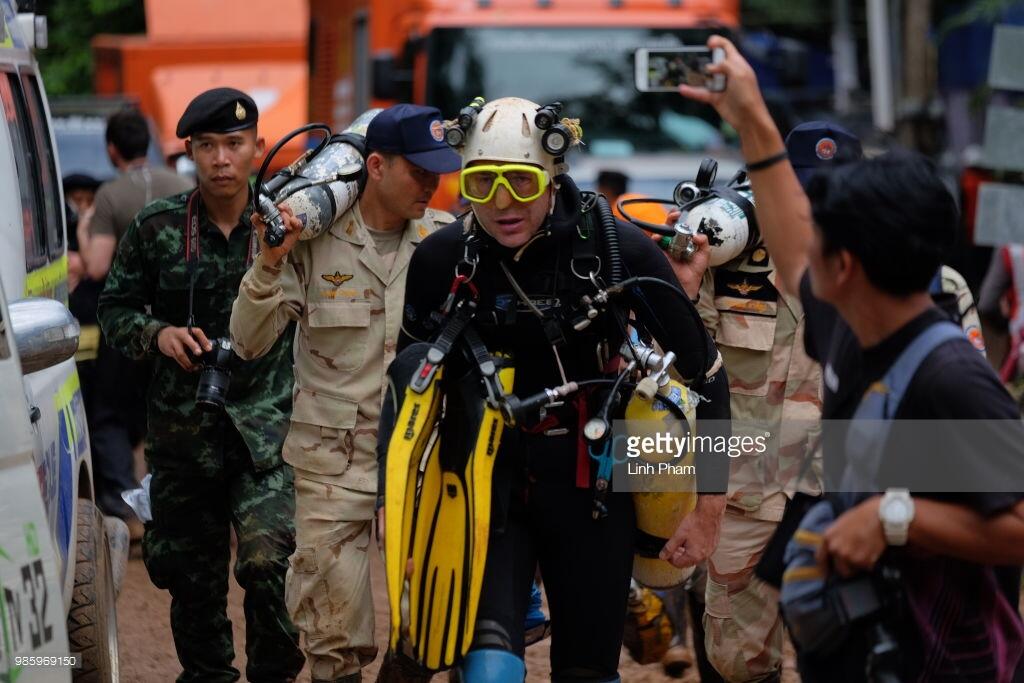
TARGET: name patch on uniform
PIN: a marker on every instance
(326, 293)
(728, 304)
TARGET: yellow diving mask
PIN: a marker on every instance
(524, 182)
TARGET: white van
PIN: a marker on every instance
(57, 578)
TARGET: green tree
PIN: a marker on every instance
(67, 63)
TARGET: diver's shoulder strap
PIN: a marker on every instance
(586, 240)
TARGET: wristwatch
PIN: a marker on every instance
(896, 512)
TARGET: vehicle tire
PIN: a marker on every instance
(92, 619)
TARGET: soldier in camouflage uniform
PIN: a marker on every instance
(346, 290)
(211, 471)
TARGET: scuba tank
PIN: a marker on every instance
(660, 502)
(725, 222)
(724, 213)
(648, 633)
(319, 186)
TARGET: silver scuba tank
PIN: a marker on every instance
(319, 186)
(729, 230)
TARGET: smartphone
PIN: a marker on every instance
(665, 69)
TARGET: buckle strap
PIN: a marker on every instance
(442, 346)
(488, 368)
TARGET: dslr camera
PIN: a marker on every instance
(215, 368)
(819, 623)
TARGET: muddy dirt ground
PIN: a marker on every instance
(147, 650)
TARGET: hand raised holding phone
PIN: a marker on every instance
(739, 103)
(664, 70)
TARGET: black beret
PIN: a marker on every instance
(221, 110)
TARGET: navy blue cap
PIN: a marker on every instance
(415, 132)
(815, 144)
(220, 110)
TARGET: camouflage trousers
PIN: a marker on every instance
(328, 584)
(743, 631)
(187, 550)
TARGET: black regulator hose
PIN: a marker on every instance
(611, 240)
(677, 291)
(274, 234)
(649, 227)
(285, 140)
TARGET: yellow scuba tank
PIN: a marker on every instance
(661, 498)
(649, 632)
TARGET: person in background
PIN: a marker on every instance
(612, 184)
(118, 200)
(999, 302)
(79, 195)
(216, 466)
(117, 420)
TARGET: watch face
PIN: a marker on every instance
(897, 511)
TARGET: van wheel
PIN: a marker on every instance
(92, 620)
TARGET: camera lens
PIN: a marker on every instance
(212, 389)
(215, 376)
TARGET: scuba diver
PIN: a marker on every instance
(520, 343)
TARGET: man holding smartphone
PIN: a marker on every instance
(860, 249)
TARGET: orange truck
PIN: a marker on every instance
(367, 53)
(258, 46)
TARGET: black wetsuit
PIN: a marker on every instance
(541, 515)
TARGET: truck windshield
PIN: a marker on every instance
(590, 70)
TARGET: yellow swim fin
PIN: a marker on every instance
(450, 535)
(415, 425)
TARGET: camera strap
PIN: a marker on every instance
(192, 251)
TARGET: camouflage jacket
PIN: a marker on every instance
(772, 382)
(148, 289)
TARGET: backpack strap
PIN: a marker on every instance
(870, 426)
(586, 257)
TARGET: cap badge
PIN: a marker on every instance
(825, 149)
(437, 130)
(239, 111)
